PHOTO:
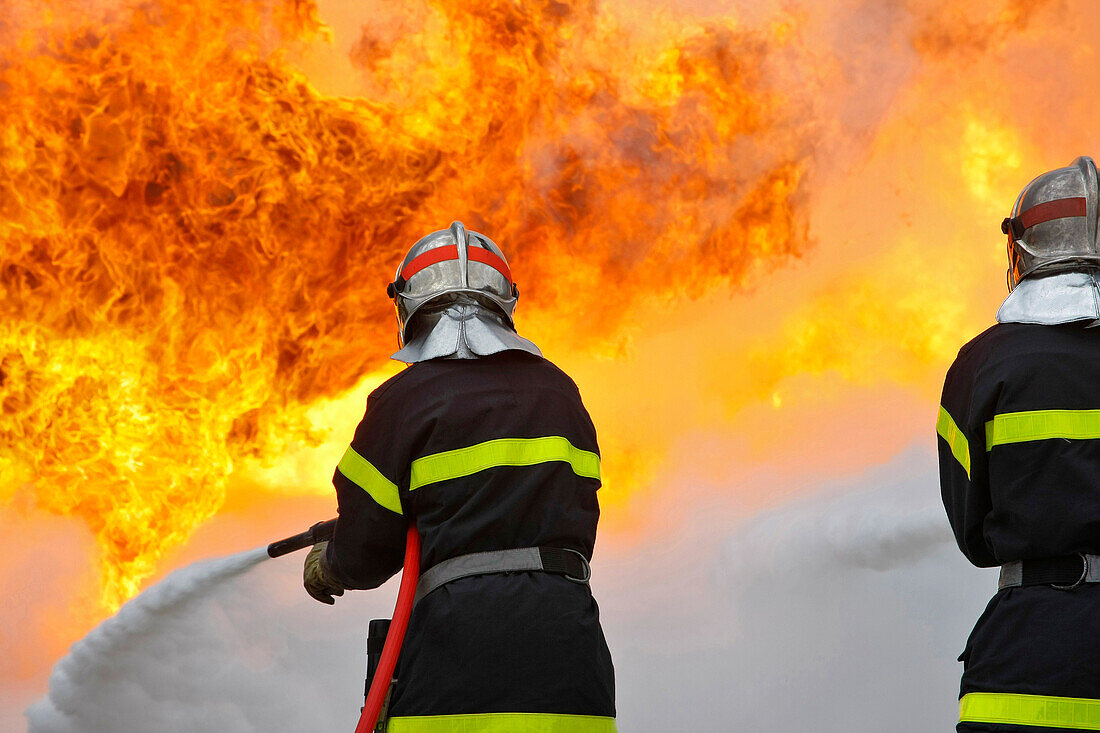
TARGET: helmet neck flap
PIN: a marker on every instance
(1049, 300)
(461, 328)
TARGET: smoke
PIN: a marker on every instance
(842, 611)
(851, 531)
(782, 622)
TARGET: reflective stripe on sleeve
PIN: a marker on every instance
(956, 439)
(502, 723)
(1019, 427)
(363, 474)
(502, 452)
(1075, 713)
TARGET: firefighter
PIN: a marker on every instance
(1019, 455)
(487, 446)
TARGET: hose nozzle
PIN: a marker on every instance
(320, 532)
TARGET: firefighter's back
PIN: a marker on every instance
(1036, 389)
(1039, 381)
(502, 455)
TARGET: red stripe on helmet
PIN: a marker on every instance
(450, 252)
(429, 258)
(488, 257)
(1051, 210)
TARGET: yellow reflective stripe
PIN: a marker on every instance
(1017, 427)
(502, 452)
(502, 723)
(363, 474)
(1076, 713)
(956, 439)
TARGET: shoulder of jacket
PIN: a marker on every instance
(406, 376)
(983, 340)
(414, 375)
(974, 355)
(995, 345)
(558, 372)
(1005, 338)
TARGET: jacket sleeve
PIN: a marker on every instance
(368, 545)
(963, 460)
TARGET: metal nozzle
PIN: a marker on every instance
(320, 532)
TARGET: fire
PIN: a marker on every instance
(902, 315)
(194, 241)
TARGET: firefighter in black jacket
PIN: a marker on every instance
(487, 447)
(1019, 449)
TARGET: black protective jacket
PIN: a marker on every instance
(1019, 463)
(484, 454)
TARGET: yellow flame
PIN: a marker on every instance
(992, 157)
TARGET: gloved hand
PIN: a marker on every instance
(316, 578)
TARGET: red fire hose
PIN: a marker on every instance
(396, 635)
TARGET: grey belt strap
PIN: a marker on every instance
(568, 563)
(1060, 572)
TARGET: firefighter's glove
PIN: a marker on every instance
(317, 578)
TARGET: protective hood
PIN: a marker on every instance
(1053, 299)
(461, 330)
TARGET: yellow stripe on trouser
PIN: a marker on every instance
(956, 439)
(363, 474)
(502, 723)
(1075, 713)
(1019, 427)
(502, 452)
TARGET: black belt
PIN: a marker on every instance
(570, 564)
(1064, 572)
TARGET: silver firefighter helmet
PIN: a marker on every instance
(453, 261)
(1053, 226)
(455, 298)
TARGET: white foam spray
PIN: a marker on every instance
(89, 674)
(232, 645)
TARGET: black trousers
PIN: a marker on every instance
(1034, 641)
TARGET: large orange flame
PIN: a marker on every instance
(194, 241)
